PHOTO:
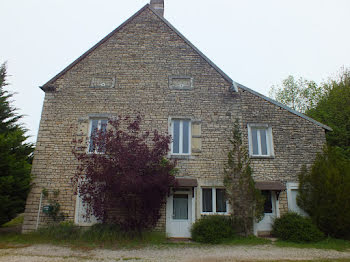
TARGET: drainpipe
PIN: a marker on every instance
(39, 209)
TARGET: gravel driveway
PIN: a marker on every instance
(49, 253)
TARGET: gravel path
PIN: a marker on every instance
(49, 253)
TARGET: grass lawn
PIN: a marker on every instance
(111, 237)
(329, 243)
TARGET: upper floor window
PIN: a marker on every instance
(95, 126)
(181, 137)
(260, 140)
(214, 201)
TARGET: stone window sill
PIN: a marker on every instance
(181, 157)
(261, 157)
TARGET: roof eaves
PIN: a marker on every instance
(211, 63)
(48, 85)
(284, 107)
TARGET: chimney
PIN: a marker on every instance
(158, 6)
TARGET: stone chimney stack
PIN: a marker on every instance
(158, 6)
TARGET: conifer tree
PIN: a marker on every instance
(15, 157)
(246, 201)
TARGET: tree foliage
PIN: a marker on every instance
(324, 192)
(15, 157)
(128, 183)
(328, 103)
(334, 110)
(246, 201)
(300, 95)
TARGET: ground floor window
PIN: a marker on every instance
(214, 200)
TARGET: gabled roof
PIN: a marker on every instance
(234, 86)
(284, 107)
(48, 86)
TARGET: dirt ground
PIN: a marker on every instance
(49, 253)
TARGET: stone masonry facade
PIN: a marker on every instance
(139, 60)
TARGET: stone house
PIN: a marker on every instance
(147, 66)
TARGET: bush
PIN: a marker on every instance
(293, 227)
(212, 229)
(324, 192)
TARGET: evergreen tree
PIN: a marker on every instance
(324, 192)
(15, 157)
(246, 201)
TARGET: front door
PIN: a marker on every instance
(265, 225)
(179, 214)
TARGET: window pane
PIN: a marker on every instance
(94, 126)
(255, 141)
(220, 200)
(268, 201)
(176, 136)
(207, 200)
(185, 135)
(180, 207)
(104, 125)
(263, 140)
(101, 145)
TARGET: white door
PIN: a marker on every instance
(292, 194)
(179, 214)
(81, 217)
(269, 212)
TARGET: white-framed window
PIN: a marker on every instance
(214, 201)
(292, 194)
(260, 140)
(181, 137)
(96, 125)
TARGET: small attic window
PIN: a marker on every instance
(181, 82)
(103, 82)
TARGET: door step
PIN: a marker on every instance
(179, 240)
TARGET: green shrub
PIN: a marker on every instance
(296, 228)
(212, 229)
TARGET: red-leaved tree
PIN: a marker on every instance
(126, 179)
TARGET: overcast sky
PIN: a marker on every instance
(257, 43)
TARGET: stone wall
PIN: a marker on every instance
(296, 140)
(137, 63)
